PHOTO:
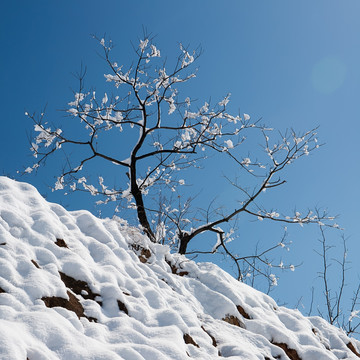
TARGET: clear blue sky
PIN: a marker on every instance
(295, 64)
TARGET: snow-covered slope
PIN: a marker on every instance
(73, 286)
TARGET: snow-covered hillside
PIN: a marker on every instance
(73, 286)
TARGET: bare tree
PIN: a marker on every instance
(156, 134)
(339, 309)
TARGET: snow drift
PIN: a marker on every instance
(73, 286)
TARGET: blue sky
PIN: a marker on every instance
(295, 64)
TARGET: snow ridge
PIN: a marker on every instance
(73, 286)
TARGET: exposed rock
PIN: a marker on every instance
(79, 287)
(233, 320)
(189, 340)
(243, 312)
(35, 263)
(214, 343)
(122, 307)
(143, 253)
(352, 348)
(61, 243)
(175, 269)
(291, 353)
(73, 304)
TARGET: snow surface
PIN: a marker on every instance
(147, 303)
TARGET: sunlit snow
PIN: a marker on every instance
(133, 299)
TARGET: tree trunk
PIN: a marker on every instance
(141, 213)
(183, 240)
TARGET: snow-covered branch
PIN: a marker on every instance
(150, 131)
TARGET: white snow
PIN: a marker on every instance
(229, 144)
(147, 302)
(246, 117)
